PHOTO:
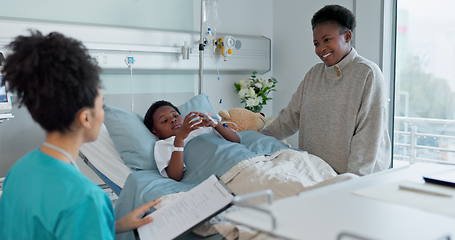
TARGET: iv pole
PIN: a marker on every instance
(202, 43)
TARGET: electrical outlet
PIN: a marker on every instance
(130, 60)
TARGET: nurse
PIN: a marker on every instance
(45, 196)
(339, 108)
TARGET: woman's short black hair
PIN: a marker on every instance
(148, 118)
(53, 76)
(336, 14)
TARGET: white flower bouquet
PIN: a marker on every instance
(254, 91)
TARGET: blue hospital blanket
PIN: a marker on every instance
(204, 155)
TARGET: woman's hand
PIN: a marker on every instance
(134, 219)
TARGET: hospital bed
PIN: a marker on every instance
(143, 185)
(105, 161)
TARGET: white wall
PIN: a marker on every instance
(368, 32)
(129, 13)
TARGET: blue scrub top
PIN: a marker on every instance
(45, 198)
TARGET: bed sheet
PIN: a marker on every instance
(287, 172)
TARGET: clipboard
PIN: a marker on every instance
(195, 206)
(189, 231)
(445, 178)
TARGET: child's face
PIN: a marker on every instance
(331, 43)
(166, 122)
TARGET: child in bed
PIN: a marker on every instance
(164, 120)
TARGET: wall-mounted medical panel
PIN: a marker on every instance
(152, 50)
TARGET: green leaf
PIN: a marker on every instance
(237, 87)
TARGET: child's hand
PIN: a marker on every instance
(191, 122)
(207, 121)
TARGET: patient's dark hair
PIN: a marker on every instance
(335, 14)
(148, 118)
(53, 76)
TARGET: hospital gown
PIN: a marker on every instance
(45, 198)
(164, 148)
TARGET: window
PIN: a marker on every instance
(424, 127)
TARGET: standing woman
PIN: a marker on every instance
(339, 108)
(44, 194)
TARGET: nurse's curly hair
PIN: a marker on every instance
(53, 76)
(336, 14)
(148, 118)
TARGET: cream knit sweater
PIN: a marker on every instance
(341, 115)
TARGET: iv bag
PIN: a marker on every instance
(210, 22)
(210, 15)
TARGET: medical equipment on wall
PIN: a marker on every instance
(208, 40)
(154, 50)
(129, 61)
(226, 46)
(209, 23)
(186, 51)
